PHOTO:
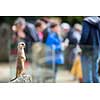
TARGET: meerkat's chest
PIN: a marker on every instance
(21, 54)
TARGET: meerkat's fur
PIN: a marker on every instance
(20, 60)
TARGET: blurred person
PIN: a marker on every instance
(72, 53)
(76, 51)
(55, 41)
(99, 67)
(25, 32)
(74, 39)
(73, 35)
(39, 28)
(42, 26)
(45, 28)
(77, 32)
(47, 21)
(76, 70)
(65, 30)
(90, 44)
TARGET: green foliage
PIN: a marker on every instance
(70, 19)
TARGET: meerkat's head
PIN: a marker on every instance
(21, 45)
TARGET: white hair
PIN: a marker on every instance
(65, 26)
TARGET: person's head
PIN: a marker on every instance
(41, 25)
(38, 26)
(44, 23)
(65, 27)
(19, 24)
(55, 28)
(78, 27)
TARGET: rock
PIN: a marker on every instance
(23, 79)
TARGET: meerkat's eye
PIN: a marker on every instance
(22, 44)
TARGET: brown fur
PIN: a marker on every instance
(20, 60)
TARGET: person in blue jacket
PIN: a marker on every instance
(90, 44)
(54, 41)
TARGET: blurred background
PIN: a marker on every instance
(8, 50)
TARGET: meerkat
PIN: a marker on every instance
(20, 60)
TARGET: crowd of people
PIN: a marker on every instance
(82, 41)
